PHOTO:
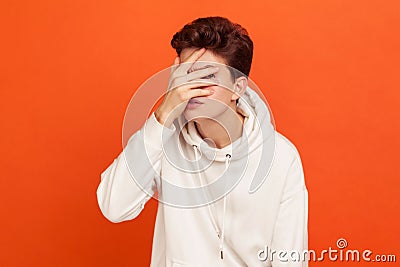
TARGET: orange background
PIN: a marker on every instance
(329, 69)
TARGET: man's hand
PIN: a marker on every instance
(182, 87)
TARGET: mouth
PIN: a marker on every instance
(195, 101)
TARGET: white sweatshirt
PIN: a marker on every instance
(242, 205)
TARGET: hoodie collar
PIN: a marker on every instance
(256, 114)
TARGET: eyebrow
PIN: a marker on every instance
(201, 68)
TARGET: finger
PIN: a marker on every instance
(195, 55)
(187, 63)
(198, 92)
(192, 84)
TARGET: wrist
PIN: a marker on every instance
(162, 118)
(158, 116)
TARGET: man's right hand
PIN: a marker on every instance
(182, 87)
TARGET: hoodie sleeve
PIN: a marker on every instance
(130, 181)
(291, 231)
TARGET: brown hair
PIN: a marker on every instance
(222, 37)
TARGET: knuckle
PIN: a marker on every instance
(181, 95)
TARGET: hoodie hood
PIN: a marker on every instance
(257, 127)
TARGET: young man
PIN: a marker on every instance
(231, 189)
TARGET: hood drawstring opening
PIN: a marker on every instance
(220, 234)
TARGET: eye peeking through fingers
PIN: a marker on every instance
(197, 68)
(209, 76)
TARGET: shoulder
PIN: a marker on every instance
(285, 149)
(288, 158)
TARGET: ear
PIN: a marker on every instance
(239, 87)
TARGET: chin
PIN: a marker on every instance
(199, 116)
(191, 115)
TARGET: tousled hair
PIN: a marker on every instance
(222, 37)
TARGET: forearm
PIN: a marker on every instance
(129, 182)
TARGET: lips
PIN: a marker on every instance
(195, 101)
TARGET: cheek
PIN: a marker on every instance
(220, 93)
